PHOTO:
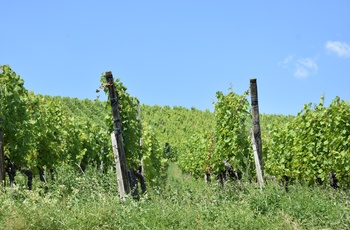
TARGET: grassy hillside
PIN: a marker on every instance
(90, 201)
(75, 201)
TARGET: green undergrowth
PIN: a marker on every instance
(90, 201)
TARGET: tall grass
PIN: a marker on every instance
(90, 201)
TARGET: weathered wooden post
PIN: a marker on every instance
(118, 169)
(256, 135)
(259, 174)
(2, 159)
(117, 126)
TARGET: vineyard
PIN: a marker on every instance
(46, 131)
(42, 132)
(47, 135)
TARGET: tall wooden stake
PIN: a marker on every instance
(117, 126)
(256, 160)
(256, 121)
(2, 163)
(121, 188)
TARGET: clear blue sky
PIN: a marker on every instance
(181, 52)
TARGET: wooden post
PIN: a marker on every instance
(256, 121)
(118, 168)
(256, 160)
(117, 126)
(2, 160)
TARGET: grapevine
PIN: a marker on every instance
(313, 145)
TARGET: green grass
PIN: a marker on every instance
(74, 201)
